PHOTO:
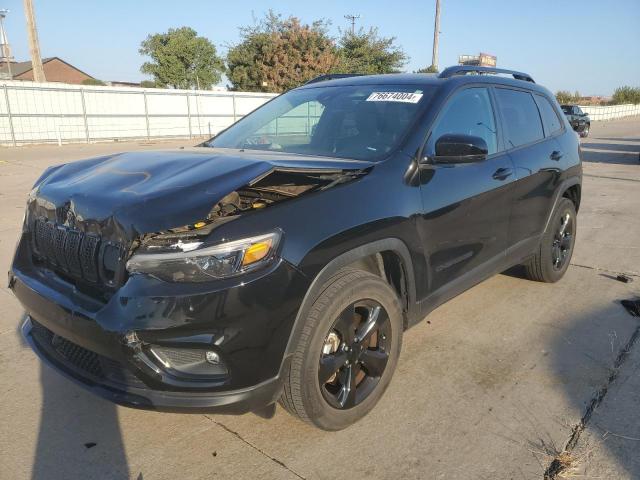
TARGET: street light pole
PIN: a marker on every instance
(436, 34)
(34, 44)
(4, 43)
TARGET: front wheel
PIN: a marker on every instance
(552, 258)
(347, 352)
(585, 132)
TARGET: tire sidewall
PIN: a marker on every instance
(551, 274)
(318, 410)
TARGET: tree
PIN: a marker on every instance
(626, 94)
(429, 69)
(564, 97)
(148, 84)
(278, 54)
(93, 81)
(181, 59)
(367, 53)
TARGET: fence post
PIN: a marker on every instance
(146, 114)
(9, 117)
(189, 115)
(233, 97)
(84, 115)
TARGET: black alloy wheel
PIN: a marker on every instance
(354, 354)
(347, 350)
(563, 241)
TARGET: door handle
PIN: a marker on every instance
(502, 173)
(556, 155)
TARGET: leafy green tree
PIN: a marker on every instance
(429, 69)
(181, 59)
(366, 52)
(93, 81)
(148, 84)
(278, 54)
(626, 94)
(564, 97)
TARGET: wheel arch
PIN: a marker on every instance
(570, 188)
(388, 258)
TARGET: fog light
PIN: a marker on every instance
(189, 362)
(212, 357)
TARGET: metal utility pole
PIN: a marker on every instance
(34, 44)
(5, 49)
(352, 19)
(436, 34)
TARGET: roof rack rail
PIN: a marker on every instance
(332, 76)
(466, 69)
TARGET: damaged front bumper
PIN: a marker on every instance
(231, 401)
(108, 347)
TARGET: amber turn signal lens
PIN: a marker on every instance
(256, 252)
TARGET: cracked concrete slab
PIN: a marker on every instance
(490, 386)
(609, 446)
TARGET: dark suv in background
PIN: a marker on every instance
(579, 121)
(284, 258)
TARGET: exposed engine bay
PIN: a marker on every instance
(275, 186)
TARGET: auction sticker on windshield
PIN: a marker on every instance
(406, 97)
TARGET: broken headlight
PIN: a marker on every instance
(195, 264)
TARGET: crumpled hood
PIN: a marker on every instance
(152, 191)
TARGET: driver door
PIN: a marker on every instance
(466, 206)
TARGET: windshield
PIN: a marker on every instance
(566, 109)
(363, 122)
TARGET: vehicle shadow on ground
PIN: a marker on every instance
(588, 360)
(620, 153)
(618, 139)
(79, 435)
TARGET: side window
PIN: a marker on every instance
(520, 116)
(468, 112)
(578, 111)
(549, 116)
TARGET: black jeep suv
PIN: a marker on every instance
(284, 258)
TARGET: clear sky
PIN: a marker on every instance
(588, 45)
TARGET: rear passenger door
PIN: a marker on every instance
(535, 154)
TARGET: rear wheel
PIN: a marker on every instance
(553, 256)
(347, 352)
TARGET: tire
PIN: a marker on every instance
(585, 132)
(556, 243)
(314, 402)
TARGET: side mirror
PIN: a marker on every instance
(460, 148)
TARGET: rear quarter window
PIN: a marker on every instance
(549, 116)
(520, 117)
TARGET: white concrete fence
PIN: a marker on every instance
(52, 112)
(610, 112)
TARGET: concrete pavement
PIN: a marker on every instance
(493, 385)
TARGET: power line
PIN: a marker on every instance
(352, 18)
